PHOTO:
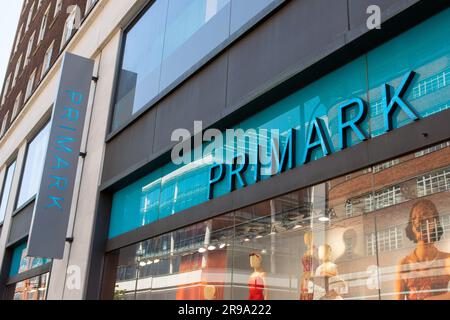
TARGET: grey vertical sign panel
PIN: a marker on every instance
(52, 210)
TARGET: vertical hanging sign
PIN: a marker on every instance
(52, 209)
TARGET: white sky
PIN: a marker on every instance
(10, 12)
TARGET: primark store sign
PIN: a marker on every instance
(254, 154)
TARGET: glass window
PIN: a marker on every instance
(167, 41)
(34, 163)
(194, 28)
(310, 244)
(6, 190)
(32, 289)
(141, 66)
(21, 263)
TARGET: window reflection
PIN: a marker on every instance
(6, 190)
(32, 289)
(370, 235)
(34, 164)
(169, 39)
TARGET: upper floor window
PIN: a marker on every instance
(388, 240)
(58, 7)
(90, 4)
(433, 183)
(4, 124)
(29, 49)
(6, 88)
(168, 40)
(432, 149)
(47, 60)
(34, 163)
(19, 36)
(30, 85)
(68, 29)
(16, 105)
(16, 72)
(43, 25)
(6, 188)
(30, 16)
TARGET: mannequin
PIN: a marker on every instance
(327, 268)
(308, 262)
(257, 280)
(210, 292)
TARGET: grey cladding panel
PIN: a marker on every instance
(295, 36)
(20, 224)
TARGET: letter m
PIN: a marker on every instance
(63, 142)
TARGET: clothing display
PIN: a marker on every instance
(422, 280)
(307, 289)
(256, 288)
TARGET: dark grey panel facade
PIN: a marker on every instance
(130, 148)
(358, 9)
(291, 40)
(201, 98)
(20, 224)
(295, 37)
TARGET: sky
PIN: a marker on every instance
(10, 12)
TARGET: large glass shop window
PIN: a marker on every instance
(382, 233)
(168, 40)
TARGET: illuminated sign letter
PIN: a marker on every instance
(316, 138)
(390, 104)
(352, 124)
(237, 170)
(213, 180)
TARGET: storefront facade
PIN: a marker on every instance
(334, 228)
(339, 180)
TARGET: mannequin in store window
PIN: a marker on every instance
(425, 272)
(327, 268)
(309, 261)
(329, 272)
(257, 281)
(210, 292)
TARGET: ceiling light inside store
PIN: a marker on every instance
(202, 250)
(298, 226)
(223, 245)
(247, 240)
(212, 248)
(258, 237)
(156, 261)
(142, 263)
(149, 262)
(324, 219)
